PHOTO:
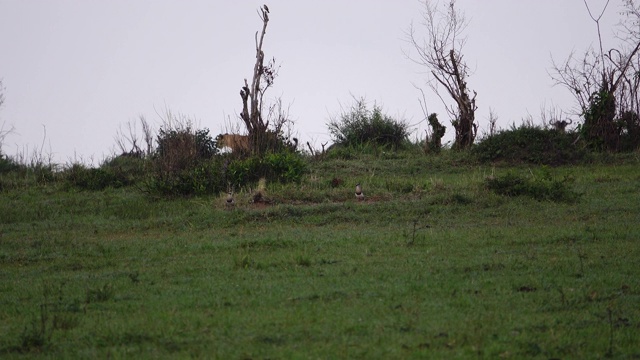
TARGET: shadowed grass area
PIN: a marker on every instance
(432, 264)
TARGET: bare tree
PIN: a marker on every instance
(605, 82)
(128, 141)
(253, 94)
(440, 51)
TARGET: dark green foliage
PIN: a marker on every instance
(602, 130)
(7, 164)
(128, 169)
(87, 178)
(540, 187)
(183, 163)
(181, 148)
(172, 140)
(629, 127)
(337, 151)
(203, 178)
(599, 128)
(283, 167)
(14, 174)
(123, 170)
(272, 142)
(434, 142)
(532, 145)
(360, 126)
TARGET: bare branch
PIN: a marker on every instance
(440, 51)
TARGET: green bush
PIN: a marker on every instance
(87, 178)
(282, 167)
(127, 168)
(629, 127)
(540, 187)
(182, 148)
(204, 178)
(533, 145)
(7, 164)
(184, 163)
(120, 171)
(360, 126)
(14, 174)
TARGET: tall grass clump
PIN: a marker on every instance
(21, 172)
(360, 126)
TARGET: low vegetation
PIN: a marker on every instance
(447, 257)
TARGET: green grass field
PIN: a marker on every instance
(432, 265)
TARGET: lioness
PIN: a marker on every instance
(237, 143)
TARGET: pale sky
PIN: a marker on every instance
(82, 68)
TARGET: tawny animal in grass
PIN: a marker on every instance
(237, 143)
(359, 193)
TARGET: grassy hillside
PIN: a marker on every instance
(433, 264)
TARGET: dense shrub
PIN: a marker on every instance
(120, 171)
(181, 148)
(282, 167)
(629, 127)
(528, 144)
(128, 168)
(183, 163)
(7, 164)
(359, 126)
(14, 174)
(87, 178)
(541, 186)
(206, 177)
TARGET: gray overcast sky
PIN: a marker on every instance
(82, 68)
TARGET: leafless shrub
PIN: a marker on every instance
(605, 82)
(129, 140)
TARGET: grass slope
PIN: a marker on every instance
(432, 265)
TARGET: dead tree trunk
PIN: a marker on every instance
(441, 52)
(465, 125)
(252, 94)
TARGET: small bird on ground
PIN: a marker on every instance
(229, 202)
(359, 193)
